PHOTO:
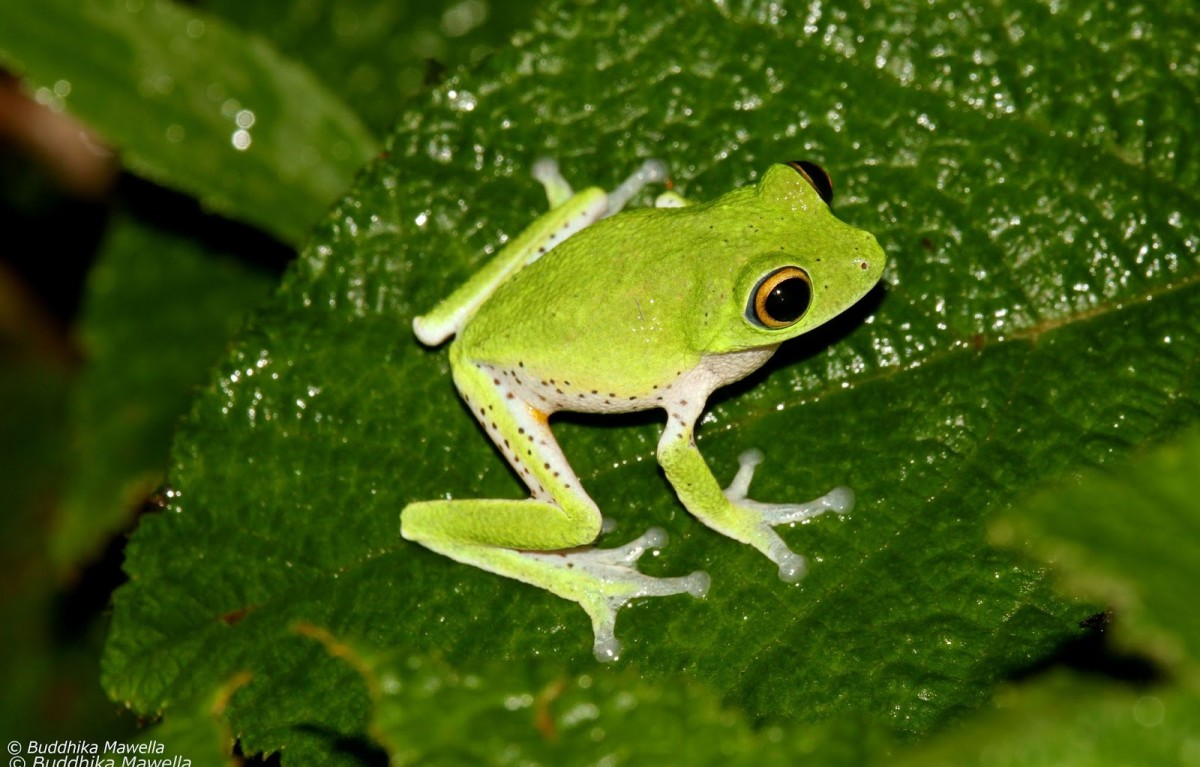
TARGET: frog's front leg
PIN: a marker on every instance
(527, 539)
(569, 213)
(729, 511)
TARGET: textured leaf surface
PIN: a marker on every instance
(378, 55)
(1128, 537)
(197, 731)
(1076, 721)
(1037, 317)
(193, 104)
(160, 311)
(422, 707)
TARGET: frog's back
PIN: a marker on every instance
(613, 304)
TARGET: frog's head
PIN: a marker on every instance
(807, 268)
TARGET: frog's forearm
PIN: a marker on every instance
(448, 317)
(700, 492)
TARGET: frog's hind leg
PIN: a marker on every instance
(536, 540)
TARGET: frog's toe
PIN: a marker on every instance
(545, 170)
(756, 527)
(607, 647)
(603, 581)
(839, 499)
(603, 612)
(650, 172)
(792, 566)
(628, 554)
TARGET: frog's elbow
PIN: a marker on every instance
(432, 333)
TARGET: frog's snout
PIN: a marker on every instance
(869, 258)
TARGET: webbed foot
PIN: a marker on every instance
(603, 581)
(792, 566)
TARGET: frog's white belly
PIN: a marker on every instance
(549, 395)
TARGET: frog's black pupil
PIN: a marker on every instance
(788, 300)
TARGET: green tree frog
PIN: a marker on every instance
(591, 310)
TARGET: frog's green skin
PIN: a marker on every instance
(651, 308)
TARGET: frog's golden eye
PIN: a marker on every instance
(815, 175)
(781, 298)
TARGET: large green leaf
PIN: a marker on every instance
(1071, 720)
(1127, 536)
(1037, 317)
(160, 310)
(378, 55)
(196, 732)
(193, 104)
(1129, 539)
(423, 710)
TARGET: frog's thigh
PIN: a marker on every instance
(560, 514)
